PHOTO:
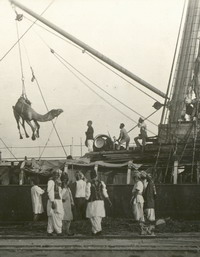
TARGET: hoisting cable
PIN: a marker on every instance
(100, 87)
(83, 51)
(48, 140)
(8, 149)
(63, 60)
(53, 51)
(106, 92)
(94, 90)
(20, 58)
(120, 76)
(69, 42)
(34, 77)
(19, 17)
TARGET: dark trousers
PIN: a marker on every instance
(80, 204)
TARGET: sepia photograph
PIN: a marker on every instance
(100, 128)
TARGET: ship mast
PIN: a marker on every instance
(186, 59)
(90, 49)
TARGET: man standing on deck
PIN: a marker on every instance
(89, 136)
(123, 137)
(143, 133)
(54, 205)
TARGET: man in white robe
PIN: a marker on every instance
(96, 192)
(36, 196)
(54, 205)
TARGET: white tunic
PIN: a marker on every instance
(36, 193)
(51, 195)
(80, 188)
(95, 208)
(139, 187)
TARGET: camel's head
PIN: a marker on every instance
(56, 112)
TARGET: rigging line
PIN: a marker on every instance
(186, 143)
(168, 164)
(8, 149)
(34, 78)
(173, 64)
(122, 77)
(90, 80)
(144, 119)
(55, 34)
(69, 42)
(96, 92)
(48, 110)
(47, 140)
(101, 88)
(21, 63)
(25, 32)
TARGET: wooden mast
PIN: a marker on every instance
(186, 59)
(90, 49)
(176, 130)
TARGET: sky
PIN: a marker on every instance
(140, 35)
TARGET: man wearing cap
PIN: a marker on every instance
(149, 203)
(54, 205)
(123, 137)
(96, 192)
(143, 133)
(79, 198)
(89, 136)
(137, 201)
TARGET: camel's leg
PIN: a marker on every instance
(23, 125)
(37, 128)
(17, 118)
(20, 134)
(33, 129)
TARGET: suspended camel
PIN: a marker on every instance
(24, 112)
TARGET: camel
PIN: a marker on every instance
(24, 112)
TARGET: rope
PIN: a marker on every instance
(168, 161)
(83, 51)
(144, 119)
(21, 63)
(168, 90)
(95, 91)
(194, 148)
(173, 63)
(25, 31)
(47, 140)
(34, 78)
(59, 56)
(48, 110)
(100, 87)
(122, 77)
(8, 149)
(108, 102)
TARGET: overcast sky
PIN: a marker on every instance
(140, 35)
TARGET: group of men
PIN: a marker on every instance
(123, 138)
(95, 194)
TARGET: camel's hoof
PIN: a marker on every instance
(33, 138)
(27, 136)
(21, 137)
